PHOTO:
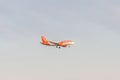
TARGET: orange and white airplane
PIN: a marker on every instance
(60, 44)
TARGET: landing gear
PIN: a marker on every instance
(58, 47)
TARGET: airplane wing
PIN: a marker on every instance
(55, 43)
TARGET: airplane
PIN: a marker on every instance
(60, 44)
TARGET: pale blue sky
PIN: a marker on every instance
(94, 26)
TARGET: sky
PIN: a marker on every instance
(94, 26)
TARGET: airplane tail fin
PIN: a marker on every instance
(44, 40)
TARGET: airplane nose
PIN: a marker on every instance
(73, 42)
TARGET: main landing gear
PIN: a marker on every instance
(58, 47)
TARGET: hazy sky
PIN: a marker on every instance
(94, 26)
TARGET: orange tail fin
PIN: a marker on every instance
(44, 40)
